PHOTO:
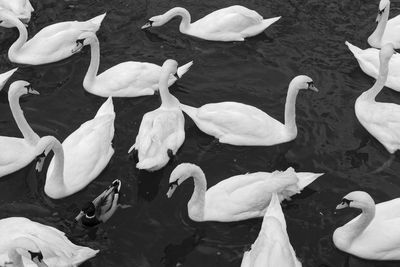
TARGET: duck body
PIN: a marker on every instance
(22, 9)
(55, 247)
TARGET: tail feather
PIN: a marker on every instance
(97, 21)
(190, 111)
(5, 76)
(268, 22)
(83, 254)
(107, 108)
(306, 178)
(275, 210)
(183, 69)
(354, 49)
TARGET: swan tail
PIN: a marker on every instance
(5, 76)
(306, 178)
(106, 109)
(275, 210)
(83, 254)
(183, 69)
(354, 49)
(97, 21)
(267, 22)
(190, 111)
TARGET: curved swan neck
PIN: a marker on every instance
(29, 135)
(23, 37)
(19, 243)
(379, 83)
(356, 228)
(56, 178)
(196, 203)
(290, 108)
(183, 13)
(375, 38)
(94, 65)
(167, 100)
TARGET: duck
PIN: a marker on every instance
(381, 120)
(16, 153)
(272, 247)
(22, 9)
(162, 131)
(126, 79)
(28, 243)
(233, 23)
(244, 125)
(375, 233)
(386, 31)
(240, 197)
(82, 156)
(368, 59)
(102, 207)
(51, 44)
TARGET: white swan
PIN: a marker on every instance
(368, 60)
(272, 247)
(30, 244)
(239, 197)
(382, 120)
(52, 43)
(162, 131)
(22, 9)
(127, 79)
(239, 124)
(16, 153)
(375, 234)
(386, 31)
(232, 23)
(83, 155)
(5, 76)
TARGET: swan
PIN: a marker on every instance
(375, 233)
(272, 247)
(162, 131)
(4, 77)
(22, 9)
(27, 244)
(51, 44)
(382, 120)
(244, 125)
(127, 79)
(82, 156)
(16, 153)
(368, 60)
(234, 23)
(386, 31)
(240, 197)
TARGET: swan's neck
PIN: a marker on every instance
(196, 204)
(23, 37)
(371, 94)
(94, 65)
(290, 109)
(167, 100)
(375, 38)
(29, 135)
(354, 229)
(56, 178)
(183, 13)
(19, 243)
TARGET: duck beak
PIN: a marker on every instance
(149, 24)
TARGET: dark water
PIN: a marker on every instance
(155, 231)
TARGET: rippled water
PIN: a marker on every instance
(156, 231)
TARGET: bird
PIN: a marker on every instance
(28, 243)
(237, 198)
(4, 77)
(162, 131)
(22, 9)
(272, 247)
(51, 44)
(233, 23)
(375, 233)
(244, 125)
(126, 79)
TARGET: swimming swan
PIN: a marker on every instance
(368, 60)
(386, 31)
(232, 23)
(51, 44)
(5, 76)
(82, 156)
(240, 197)
(375, 233)
(382, 120)
(30, 244)
(16, 153)
(22, 9)
(162, 131)
(244, 125)
(127, 79)
(272, 247)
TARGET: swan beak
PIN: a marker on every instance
(315, 89)
(378, 18)
(171, 190)
(149, 24)
(177, 76)
(33, 92)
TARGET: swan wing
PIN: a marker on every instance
(15, 153)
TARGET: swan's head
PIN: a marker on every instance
(386, 52)
(85, 38)
(160, 20)
(20, 88)
(302, 82)
(31, 247)
(182, 172)
(43, 148)
(5, 76)
(8, 19)
(383, 6)
(356, 199)
(170, 66)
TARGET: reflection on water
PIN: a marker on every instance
(156, 231)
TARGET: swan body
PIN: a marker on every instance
(22, 9)
(20, 235)
(83, 154)
(240, 124)
(382, 120)
(386, 30)
(127, 79)
(16, 153)
(161, 132)
(375, 233)
(272, 247)
(234, 23)
(51, 44)
(240, 197)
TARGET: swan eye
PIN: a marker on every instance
(310, 84)
(43, 155)
(28, 88)
(345, 201)
(39, 255)
(171, 185)
(80, 41)
(381, 11)
(1, 21)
